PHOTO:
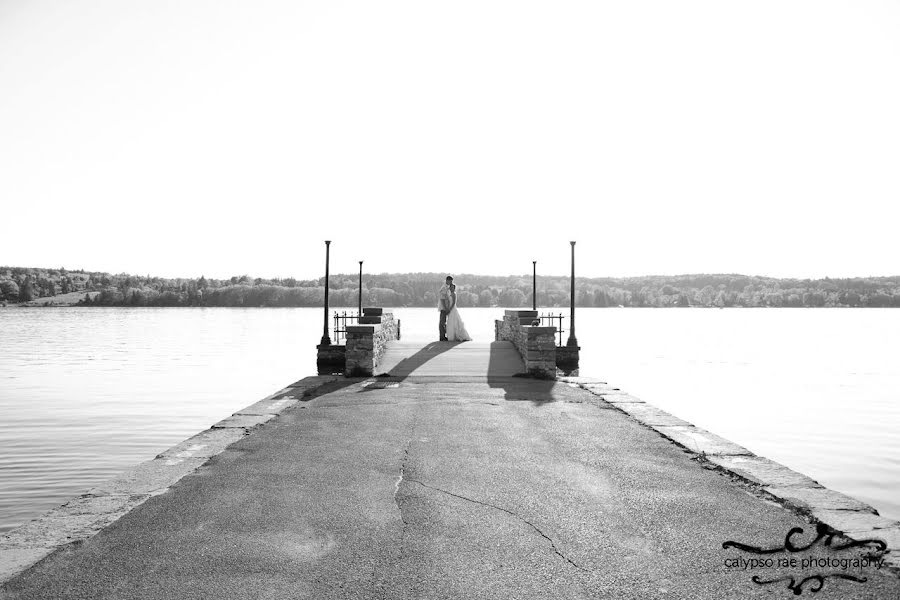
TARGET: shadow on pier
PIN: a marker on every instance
(496, 363)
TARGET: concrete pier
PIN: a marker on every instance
(449, 475)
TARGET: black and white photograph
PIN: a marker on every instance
(471, 300)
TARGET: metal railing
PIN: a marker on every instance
(548, 320)
(341, 320)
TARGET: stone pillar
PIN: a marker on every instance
(360, 356)
(540, 351)
(536, 344)
(367, 342)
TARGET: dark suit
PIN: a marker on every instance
(442, 325)
(444, 302)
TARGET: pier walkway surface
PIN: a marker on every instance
(451, 359)
(446, 477)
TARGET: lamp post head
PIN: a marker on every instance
(327, 242)
(573, 243)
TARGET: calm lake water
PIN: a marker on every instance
(86, 393)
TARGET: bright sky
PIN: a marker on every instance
(182, 138)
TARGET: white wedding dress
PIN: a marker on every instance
(456, 329)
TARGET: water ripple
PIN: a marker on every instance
(87, 393)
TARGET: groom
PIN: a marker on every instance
(444, 307)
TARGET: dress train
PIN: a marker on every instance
(456, 329)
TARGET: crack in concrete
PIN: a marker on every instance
(400, 478)
(509, 512)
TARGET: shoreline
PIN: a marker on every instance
(85, 515)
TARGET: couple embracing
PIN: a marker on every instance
(450, 326)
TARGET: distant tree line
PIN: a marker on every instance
(44, 286)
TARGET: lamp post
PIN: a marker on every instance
(360, 288)
(326, 341)
(572, 340)
(534, 285)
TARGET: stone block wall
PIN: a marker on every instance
(366, 342)
(536, 344)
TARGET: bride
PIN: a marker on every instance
(456, 330)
